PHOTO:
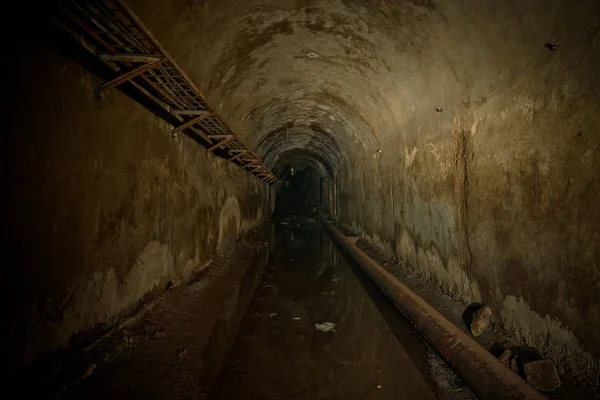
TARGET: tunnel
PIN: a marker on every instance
(243, 199)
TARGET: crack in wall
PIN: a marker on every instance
(462, 198)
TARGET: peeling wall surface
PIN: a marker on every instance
(464, 135)
(106, 209)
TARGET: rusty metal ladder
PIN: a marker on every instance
(110, 30)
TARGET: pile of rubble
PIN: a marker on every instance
(525, 362)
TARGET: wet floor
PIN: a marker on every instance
(285, 350)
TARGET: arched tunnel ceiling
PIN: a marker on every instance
(342, 80)
(311, 78)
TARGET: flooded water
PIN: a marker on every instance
(371, 353)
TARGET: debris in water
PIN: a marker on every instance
(296, 318)
(379, 386)
(271, 315)
(335, 279)
(325, 326)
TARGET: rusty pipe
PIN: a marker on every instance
(485, 375)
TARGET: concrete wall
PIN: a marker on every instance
(105, 209)
(494, 197)
(497, 197)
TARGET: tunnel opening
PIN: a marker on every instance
(299, 192)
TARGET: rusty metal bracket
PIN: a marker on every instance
(222, 142)
(249, 165)
(128, 57)
(238, 155)
(189, 112)
(189, 123)
(129, 75)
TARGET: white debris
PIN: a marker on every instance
(379, 386)
(271, 315)
(335, 279)
(325, 326)
(296, 318)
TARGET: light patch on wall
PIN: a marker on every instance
(435, 151)
(588, 157)
(229, 223)
(100, 299)
(427, 263)
(409, 158)
(474, 126)
(228, 75)
(382, 246)
(451, 279)
(525, 105)
(431, 222)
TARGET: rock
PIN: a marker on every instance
(514, 365)
(505, 357)
(481, 320)
(509, 360)
(542, 375)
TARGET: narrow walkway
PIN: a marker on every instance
(174, 347)
(372, 353)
